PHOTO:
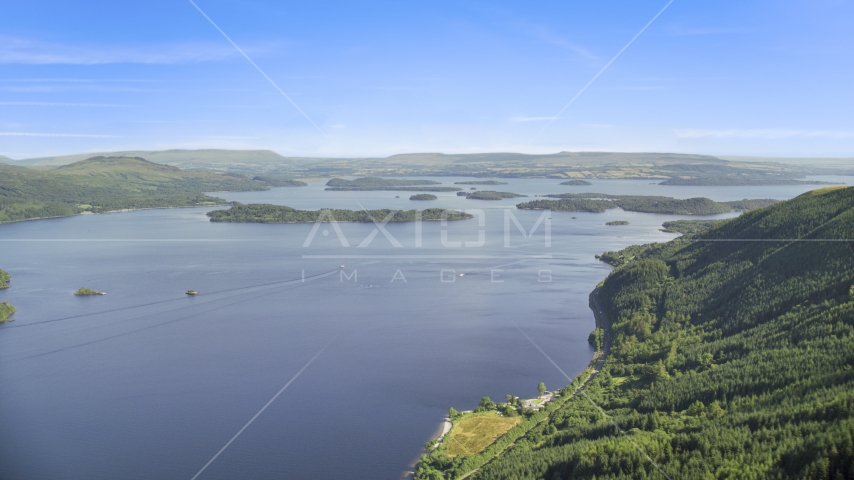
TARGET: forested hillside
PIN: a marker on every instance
(731, 357)
(103, 184)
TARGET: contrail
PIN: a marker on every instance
(603, 68)
(259, 70)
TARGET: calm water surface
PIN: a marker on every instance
(147, 382)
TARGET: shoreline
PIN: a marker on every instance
(108, 211)
(596, 364)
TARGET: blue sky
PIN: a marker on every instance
(379, 78)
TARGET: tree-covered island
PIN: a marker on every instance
(423, 196)
(490, 195)
(82, 291)
(266, 213)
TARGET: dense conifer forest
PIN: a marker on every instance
(731, 357)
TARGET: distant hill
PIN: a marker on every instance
(560, 158)
(168, 157)
(685, 168)
(103, 184)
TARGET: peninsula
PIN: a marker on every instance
(6, 310)
(688, 226)
(599, 202)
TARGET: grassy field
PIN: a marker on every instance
(476, 431)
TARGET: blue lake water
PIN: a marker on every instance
(147, 382)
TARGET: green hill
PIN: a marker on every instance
(184, 158)
(104, 184)
(731, 357)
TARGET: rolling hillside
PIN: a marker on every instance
(104, 184)
(680, 168)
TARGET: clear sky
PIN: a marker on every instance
(763, 77)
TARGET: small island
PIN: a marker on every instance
(192, 292)
(576, 182)
(266, 213)
(88, 291)
(490, 195)
(481, 182)
(6, 310)
(4, 279)
(617, 222)
(423, 196)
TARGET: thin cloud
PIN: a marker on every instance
(549, 37)
(74, 80)
(56, 104)
(681, 30)
(32, 134)
(531, 119)
(762, 133)
(33, 52)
